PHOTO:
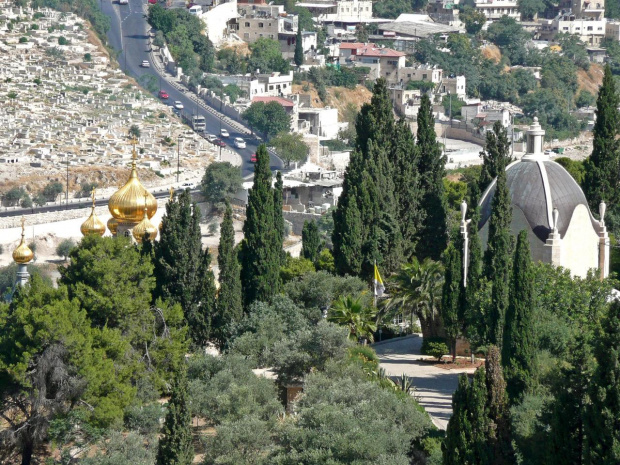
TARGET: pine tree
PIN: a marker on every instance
(495, 156)
(499, 441)
(175, 445)
(601, 179)
(299, 49)
(260, 256)
(603, 416)
(182, 268)
(518, 345)
(229, 302)
(431, 166)
(497, 258)
(278, 217)
(310, 241)
(452, 295)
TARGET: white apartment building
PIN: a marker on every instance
(591, 32)
(494, 9)
(454, 85)
(343, 11)
(262, 85)
(383, 62)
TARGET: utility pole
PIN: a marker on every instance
(178, 155)
(67, 196)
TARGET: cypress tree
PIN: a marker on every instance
(601, 178)
(499, 442)
(431, 166)
(497, 257)
(495, 156)
(175, 445)
(278, 217)
(299, 48)
(310, 241)
(451, 296)
(475, 318)
(347, 236)
(375, 120)
(603, 417)
(229, 302)
(518, 346)
(563, 419)
(182, 268)
(260, 261)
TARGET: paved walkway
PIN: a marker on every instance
(433, 386)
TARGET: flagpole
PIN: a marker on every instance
(375, 283)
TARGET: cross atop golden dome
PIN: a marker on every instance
(93, 225)
(126, 205)
(22, 254)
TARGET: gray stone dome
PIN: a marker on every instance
(536, 187)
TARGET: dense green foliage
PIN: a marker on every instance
(310, 241)
(220, 183)
(182, 267)
(495, 156)
(261, 250)
(290, 147)
(183, 32)
(299, 49)
(394, 8)
(267, 118)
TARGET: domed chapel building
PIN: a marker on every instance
(549, 204)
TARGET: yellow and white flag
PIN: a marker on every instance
(379, 287)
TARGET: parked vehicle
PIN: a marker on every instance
(239, 143)
(253, 158)
(224, 133)
(219, 143)
(145, 64)
(211, 137)
(163, 94)
(178, 105)
(123, 2)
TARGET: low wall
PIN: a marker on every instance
(298, 219)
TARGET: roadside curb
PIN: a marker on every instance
(394, 339)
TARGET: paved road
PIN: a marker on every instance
(434, 386)
(129, 34)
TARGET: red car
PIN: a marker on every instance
(219, 143)
(163, 94)
(152, 2)
(253, 158)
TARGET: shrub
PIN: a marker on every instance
(64, 248)
(437, 350)
(26, 202)
(62, 41)
(144, 419)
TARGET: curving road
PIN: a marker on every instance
(129, 34)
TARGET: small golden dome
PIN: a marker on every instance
(22, 254)
(93, 225)
(128, 202)
(113, 225)
(144, 227)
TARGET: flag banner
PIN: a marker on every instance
(379, 287)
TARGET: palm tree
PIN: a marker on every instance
(416, 289)
(352, 312)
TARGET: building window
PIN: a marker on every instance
(247, 24)
(424, 77)
(261, 25)
(589, 28)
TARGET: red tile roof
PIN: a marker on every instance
(371, 50)
(282, 101)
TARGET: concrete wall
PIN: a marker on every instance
(297, 219)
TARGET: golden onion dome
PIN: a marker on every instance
(22, 254)
(113, 225)
(93, 225)
(144, 227)
(128, 202)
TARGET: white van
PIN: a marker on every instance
(239, 143)
(195, 10)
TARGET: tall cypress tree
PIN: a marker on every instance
(310, 241)
(431, 166)
(518, 346)
(495, 156)
(457, 447)
(601, 179)
(260, 256)
(229, 302)
(451, 298)
(499, 441)
(603, 417)
(563, 418)
(278, 216)
(497, 257)
(375, 120)
(182, 267)
(175, 445)
(299, 49)
(347, 235)
(475, 317)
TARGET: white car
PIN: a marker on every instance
(224, 133)
(145, 64)
(239, 143)
(178, 105)
(210, 137)
(123, 2)
(188, 185)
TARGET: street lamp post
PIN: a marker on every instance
(67, 196)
